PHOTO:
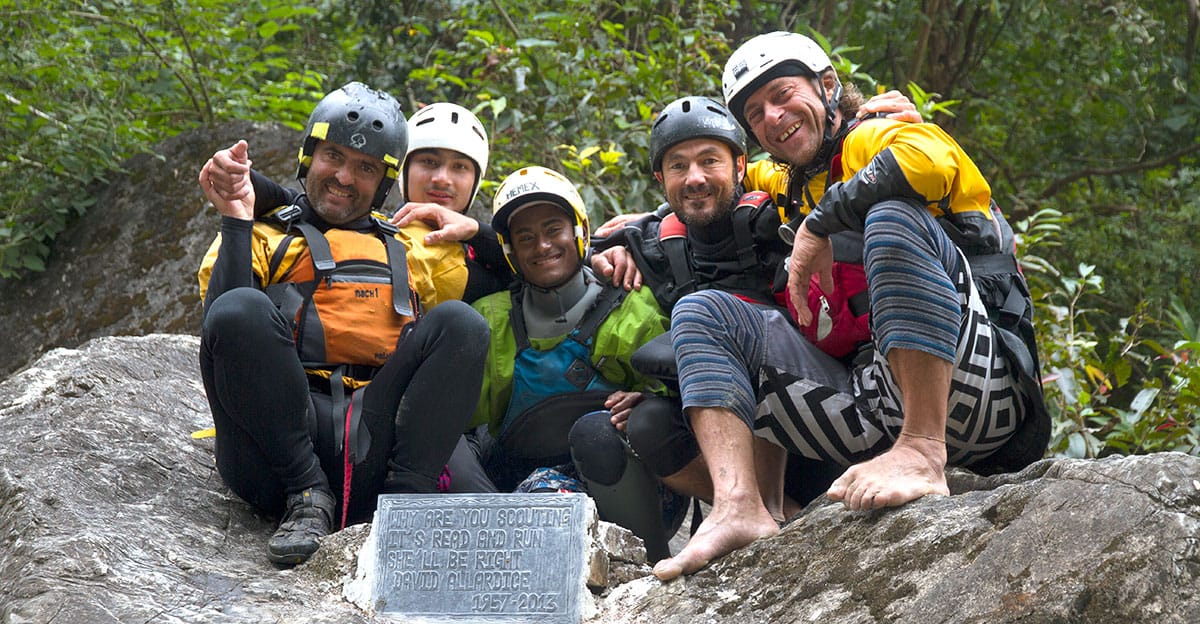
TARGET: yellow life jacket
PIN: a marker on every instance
(348, 293)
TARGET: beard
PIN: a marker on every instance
(705, 212)
(337, 211)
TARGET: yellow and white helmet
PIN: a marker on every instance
(531, 185)
(443, 125)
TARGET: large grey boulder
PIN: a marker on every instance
(110, 511)
(1115, 540)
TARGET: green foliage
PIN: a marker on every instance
(1083, 116)
(1121, 393)
(88, 84)
(927, 103)
(573, 87)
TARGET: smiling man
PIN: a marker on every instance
(558, 384)
(948, 373)
(309, 344)
(446, 163)
(716, 255)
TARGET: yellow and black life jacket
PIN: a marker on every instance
(348, 292)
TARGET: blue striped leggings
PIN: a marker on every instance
(749, 359)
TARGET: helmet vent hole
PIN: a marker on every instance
(352, 116)
(687, 107)
(453, 117)
(377, 125)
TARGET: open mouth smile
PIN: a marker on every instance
(786, 134)
(338, 191)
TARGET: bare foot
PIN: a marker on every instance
(909, 470)
(719, 534)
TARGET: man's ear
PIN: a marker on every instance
(830, 80)
(658, 176)
(739, 165)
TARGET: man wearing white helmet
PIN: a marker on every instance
(950, 372)
(446, 162)
(558, 373)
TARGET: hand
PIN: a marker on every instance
(810, 254)
(618, 222)
(621, 404)
(896, 104)
(448, 225)
(225, 181)
(616, 264)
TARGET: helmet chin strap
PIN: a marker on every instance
(821, 159)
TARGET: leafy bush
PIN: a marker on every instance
(574, 86)
(1119, 393)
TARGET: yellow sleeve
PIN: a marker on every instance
(767, 175)
(437, 272)
(933, 163)
(264, 239)
(772, 177)
(206, 266)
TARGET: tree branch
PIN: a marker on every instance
(207, 112)
(507, 20)
(1189, 46)
(158, 54)
(918, 59)
(1058, 185)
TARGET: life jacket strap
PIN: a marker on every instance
(672, 235)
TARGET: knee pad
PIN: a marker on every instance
(652, 421)
(597, 448)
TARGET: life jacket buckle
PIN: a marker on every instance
(288, 214)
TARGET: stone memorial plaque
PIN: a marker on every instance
(480, 557)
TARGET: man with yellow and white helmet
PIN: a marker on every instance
(558, 372)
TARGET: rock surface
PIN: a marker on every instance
(110, 511)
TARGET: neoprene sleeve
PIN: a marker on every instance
(845, 204)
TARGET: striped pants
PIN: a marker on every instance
(749, 359)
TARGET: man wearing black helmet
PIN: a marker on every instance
(324, 376)
(949, 373)
(716, 245)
